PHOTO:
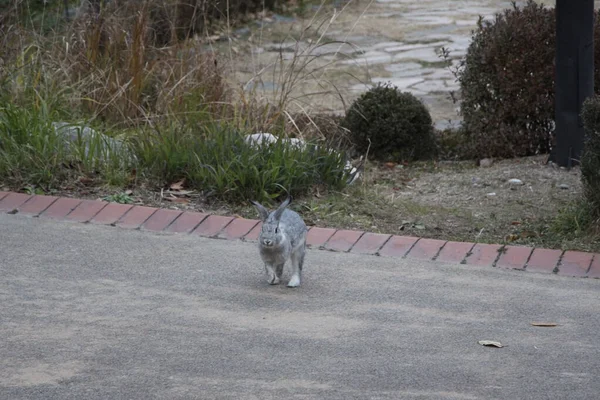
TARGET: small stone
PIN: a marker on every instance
(486, 162)
(563, 186)
(492, 194)
(515, 182)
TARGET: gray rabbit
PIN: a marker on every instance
(283, 236)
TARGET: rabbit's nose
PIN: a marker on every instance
(267, 242)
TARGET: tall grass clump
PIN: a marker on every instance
(219, 162)
(123, 74)
(112, 66)
(30, 151)
(135, 69)
(33, 152)
(295, 90)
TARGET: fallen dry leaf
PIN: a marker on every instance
(545, 324)
(177, 185)
(490, 343)
(390, 165)
(512, 237)
(128, 192)
(85, 180)
(528, 234)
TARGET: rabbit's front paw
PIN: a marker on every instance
(273, 279)
(294, 282)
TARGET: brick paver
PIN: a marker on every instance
(575, 263)
(370, 243)
(397, 246)
(569, 263)
(455, 252)
(238, 228)
(186, 222)
(595, 268)
(252, 236)
(483, 255)
(37, 204)
(317, 237)
(161, 219)
(111, 213)
(13, 201)
(543, 260)
(426, 249)
(212, 225)
(342, 240)
(514, 257)
(135, 217)
(86, 210)
(61, 208)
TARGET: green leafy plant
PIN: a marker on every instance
(396, 125)
(590, 160)
(507, 84)
(33, 190)
(454, 144)
(219, 162)
(121, 198)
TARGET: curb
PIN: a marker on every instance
(550, 261)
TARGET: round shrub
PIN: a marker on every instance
(397, 124)
(507, 83)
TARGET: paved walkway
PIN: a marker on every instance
(400, 41)
(567, 263)
(91, 311)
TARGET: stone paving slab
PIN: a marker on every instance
(523, 258)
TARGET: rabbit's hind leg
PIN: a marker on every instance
(272, 277)
(297, 263)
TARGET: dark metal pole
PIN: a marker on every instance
(574, 76)
(66, 4)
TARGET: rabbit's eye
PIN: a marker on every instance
(276, 230)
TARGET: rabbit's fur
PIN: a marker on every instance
(283, 237)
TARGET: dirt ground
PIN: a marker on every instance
(444, 200)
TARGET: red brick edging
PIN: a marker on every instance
(567, 263)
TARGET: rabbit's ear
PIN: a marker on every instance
(264, 214)
(281, 208)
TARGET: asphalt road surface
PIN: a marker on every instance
(94, 312)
